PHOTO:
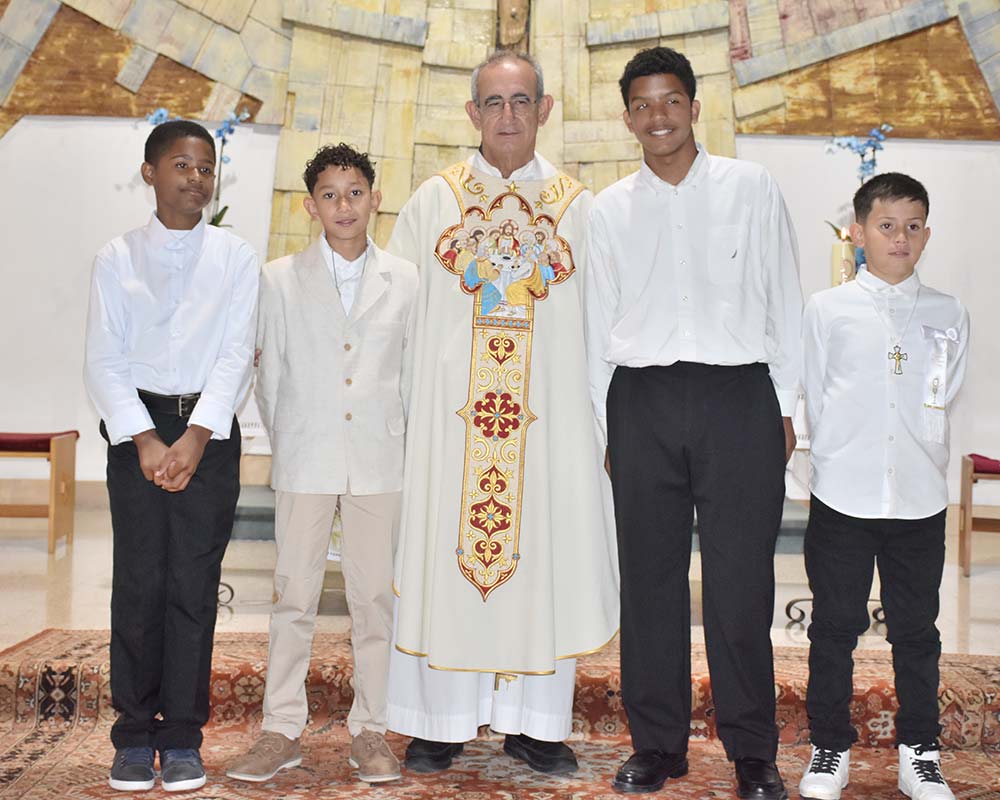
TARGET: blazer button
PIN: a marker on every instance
(348, 416)
(348, 381)
(347, 346)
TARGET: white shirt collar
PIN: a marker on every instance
(161, 237)
(872, 283)
(691, 180)
(336, 261)
(535, 170)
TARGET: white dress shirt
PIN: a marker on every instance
(171, 312)
(346, 274)
(704, 271)
(869, 450)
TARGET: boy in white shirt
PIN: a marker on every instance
(884, 357)
(169, 348)
(331, 387)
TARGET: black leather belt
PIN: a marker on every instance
(180, 405)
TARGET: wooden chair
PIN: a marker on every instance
(968, 523)
(60, 451)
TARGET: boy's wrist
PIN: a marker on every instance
(144, 437)
(200, 433)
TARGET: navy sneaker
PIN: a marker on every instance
(132, 769)
(181, 770)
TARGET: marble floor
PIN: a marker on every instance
(72, 588)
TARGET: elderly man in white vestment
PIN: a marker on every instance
(507, 565)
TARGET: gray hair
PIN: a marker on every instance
(508, 55)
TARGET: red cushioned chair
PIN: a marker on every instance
(60, 451)
(975, 468)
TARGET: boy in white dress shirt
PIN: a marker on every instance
(884, 357)
(693, 309)
(169, 348)
(331, 387)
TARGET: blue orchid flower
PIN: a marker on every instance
(158, 117)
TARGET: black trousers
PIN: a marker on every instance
(841, 555)
(168, 550)
(680, 438)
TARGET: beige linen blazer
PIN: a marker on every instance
(331, 387)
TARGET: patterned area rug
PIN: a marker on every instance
(55, 716)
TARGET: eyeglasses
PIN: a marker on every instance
(520, 105)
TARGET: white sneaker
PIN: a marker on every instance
(920, 775)
(826, 776)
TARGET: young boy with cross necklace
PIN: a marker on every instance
(884, 356)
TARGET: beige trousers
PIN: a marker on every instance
(302, 530)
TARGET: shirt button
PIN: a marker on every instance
(891, 470)
(347, 346)
(892, 311)
(348, 381)
(892, 405)
(679, 226)
(892, 438)
(685, 298)
(348, 416)
(683, 262)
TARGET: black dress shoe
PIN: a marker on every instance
(648, 770)
(552, 758)
(759, 780)
(423, 755)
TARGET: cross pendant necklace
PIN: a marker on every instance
(896, 354)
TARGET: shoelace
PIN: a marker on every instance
(827, 761)
(928, 771)
(135, 756)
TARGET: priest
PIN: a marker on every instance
(507, 565)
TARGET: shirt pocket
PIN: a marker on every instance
(726, 255)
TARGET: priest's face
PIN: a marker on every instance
(509, 112)
(661, 115)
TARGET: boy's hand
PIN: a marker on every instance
(789, 438)
(256, 357)
(607, 461)
(151, 452)
(180, 461)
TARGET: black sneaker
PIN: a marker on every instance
(181, 770)
(132, 769)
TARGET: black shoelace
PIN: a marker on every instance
(825, 761)
(927, 771)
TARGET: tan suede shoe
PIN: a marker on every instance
(372, 758)
(271, 753)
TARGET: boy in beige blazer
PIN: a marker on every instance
(333, 325)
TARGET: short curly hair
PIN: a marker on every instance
(658, 61)
(341, 155)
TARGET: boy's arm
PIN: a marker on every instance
(601, 291)
(406, 374)
(780, 254)
(230, 375)
(106, 372)
(271, 343)
(227, 381)
(814, 354)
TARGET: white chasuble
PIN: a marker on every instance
(507, 558)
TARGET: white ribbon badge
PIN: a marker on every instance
(936, 381)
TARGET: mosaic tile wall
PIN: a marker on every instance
(392, 76)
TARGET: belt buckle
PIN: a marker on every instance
(185, 405)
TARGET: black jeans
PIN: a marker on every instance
(168, 550)
(680, 438)
(841, 555)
